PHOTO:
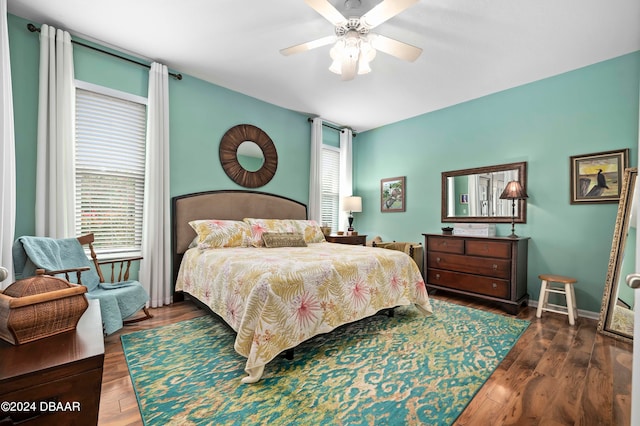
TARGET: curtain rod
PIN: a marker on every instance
(325, 124)
(34, 29)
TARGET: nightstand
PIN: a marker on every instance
(355, 240)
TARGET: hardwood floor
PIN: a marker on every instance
(555, 375)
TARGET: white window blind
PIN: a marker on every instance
(110, 163)
(330, 186)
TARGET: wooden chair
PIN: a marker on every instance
(414, 250)
(121, 266)
(120, 298)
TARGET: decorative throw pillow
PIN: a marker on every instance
(194, 242)
(260, 226)
(221, 233)
(310, 230)
(283, 239)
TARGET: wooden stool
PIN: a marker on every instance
(548, 287)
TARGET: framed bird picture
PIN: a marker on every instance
(597, 178)
(392, 194)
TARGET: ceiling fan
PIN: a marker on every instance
(355, 47)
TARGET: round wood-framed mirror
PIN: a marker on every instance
(229, 144)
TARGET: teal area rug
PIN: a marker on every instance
(409, 369)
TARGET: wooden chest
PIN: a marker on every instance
(55, 380)
(490, 268)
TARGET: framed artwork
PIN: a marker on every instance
(597, 178)
(392, 194)
(464, 198)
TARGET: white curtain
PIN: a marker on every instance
(346, 175)
(155, 268)
(7, 153)
(55, 177)
(315, 172)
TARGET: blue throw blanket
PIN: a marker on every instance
(31, 253)
(117, 301)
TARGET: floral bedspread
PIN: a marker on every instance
(276, 298)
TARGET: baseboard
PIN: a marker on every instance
(581, 313)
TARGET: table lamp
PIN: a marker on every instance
(513, 191)
(351, 204)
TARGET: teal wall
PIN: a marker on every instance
(589, 110)
(200, 114)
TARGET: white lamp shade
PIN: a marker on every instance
(352, 204)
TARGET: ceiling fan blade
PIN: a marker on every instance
(326, 9)
(395, 48)
(298, 48)
(384, 11)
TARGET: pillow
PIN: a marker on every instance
(194, 242)
(221, 233)
(260, 226)
(284, 239)
(310, 230)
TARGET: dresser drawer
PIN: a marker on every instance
(499, 268)
(489, 249)
(448, 245)
(466, 282)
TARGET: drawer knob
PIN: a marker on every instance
(444, 243)
(494, 285)
(437, 260)
(437, 276)
(495, 267)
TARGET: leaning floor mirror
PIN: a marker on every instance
(616, 313)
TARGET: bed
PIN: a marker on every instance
(274, 298)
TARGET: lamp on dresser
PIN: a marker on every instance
(513, 191)
(352, 204)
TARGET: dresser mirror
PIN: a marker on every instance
(616, 313)
(473, 195)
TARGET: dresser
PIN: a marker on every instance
(489, 268)
(55, 380)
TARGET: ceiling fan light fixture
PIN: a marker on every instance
(367, 50)
(351, 55)
(337, 53)
(337, 50)
(356, 46)
(367, 54)
(363, 66)
(349, 68)
(351, 46)
(336, 67)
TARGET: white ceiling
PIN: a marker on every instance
(471, 48)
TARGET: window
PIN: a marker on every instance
(330, 185)
(110, 163)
